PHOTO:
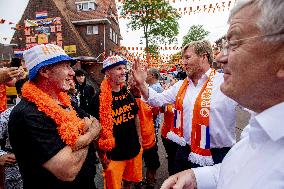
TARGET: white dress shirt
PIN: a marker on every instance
(222, 119)
(256, 162)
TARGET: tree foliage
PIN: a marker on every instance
(195, 33)
(153, 49)
(157, 18)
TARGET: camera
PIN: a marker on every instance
(16, 62)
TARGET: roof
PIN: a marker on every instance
(92, 21)
(62, 6)
(102, 11)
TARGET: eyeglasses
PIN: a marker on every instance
(228, 45)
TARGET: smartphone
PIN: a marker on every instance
(16, 62)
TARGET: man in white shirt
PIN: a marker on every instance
(153, 76)
(198, 101)
(254, 77)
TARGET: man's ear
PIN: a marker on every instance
(107, 73)
(44, 72)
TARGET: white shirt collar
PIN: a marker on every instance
(205, 75)
(272, 121)
(208, 72)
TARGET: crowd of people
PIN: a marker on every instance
(61, 128)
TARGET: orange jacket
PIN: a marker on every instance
(146, 124)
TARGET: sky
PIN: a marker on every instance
(215, 23)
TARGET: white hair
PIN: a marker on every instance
(271, 20)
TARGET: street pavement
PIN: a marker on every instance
(162, 172)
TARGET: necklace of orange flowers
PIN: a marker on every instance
(106, 141)
(69, 125)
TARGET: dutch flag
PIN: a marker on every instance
(18, 52)
(205, 137)
(41, 15)
(177, 118)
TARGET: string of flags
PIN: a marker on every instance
(168, 1)
(206, 8)
(221, 6)
(163, 48)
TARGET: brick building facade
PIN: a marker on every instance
(81, 27)
(90, 25)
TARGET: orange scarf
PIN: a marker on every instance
(69, 126)
(3, 98)
(176, 132)
(200, 135)
(106, 140)
(168, 123)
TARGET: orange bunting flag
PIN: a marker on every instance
(18, 27)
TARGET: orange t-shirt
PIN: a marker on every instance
(146, 124)
(168, 123)
(3, 98)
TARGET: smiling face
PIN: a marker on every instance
(59, 76)
(117, 74)
(192, 63)
(250, 68)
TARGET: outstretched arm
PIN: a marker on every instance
(185, 179)
(201, 177)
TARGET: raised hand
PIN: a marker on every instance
(139, 73)
(7, 159)
(8, 74)
(22, 74)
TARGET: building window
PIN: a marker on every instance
(92, 5)
(86, 5)
(110, 33)
(91, 30)
(116, 39)
(113, 36)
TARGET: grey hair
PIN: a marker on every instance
(271, 20)
(155, 72)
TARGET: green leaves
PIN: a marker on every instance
(195, 33)
(157, 18)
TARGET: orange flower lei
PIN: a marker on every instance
(69, 126)
(106, 141)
